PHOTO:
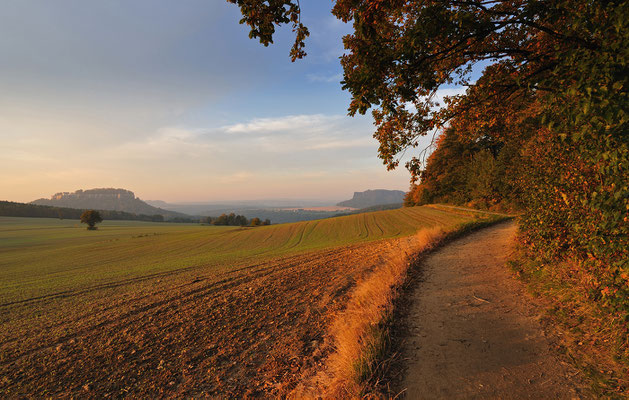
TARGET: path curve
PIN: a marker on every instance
(473, 331)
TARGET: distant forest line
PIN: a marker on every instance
(13, 209)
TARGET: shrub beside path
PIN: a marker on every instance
(474, 332)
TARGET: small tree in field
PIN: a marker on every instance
(91, 218)
(256, 221)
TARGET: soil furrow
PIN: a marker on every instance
(250, 334)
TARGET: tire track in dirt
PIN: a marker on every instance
(260, 270)
(301, 236)
(375, 222)
(264, 266)
(147, 277)
(128, 317)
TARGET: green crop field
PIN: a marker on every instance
(39, 257)
(134, 308)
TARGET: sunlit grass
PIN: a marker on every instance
(39, 257)
(361, 339)
(361, 332)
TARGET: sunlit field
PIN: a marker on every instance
(39, 257)
(158, 309)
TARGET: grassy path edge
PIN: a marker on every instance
(371, 378)
(362, 332)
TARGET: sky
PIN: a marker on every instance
(172, 100)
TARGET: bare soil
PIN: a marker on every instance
(470, 329)
(251, 332)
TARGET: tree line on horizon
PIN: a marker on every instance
(14, 209)
(232, 219)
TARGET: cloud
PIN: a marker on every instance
(166, 144)
(301, 134)
(282, 124)
(333, 78)
(343, 144)
(304, 142)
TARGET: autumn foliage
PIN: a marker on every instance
(556, 148)
(544, 128)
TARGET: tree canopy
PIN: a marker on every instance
(263, 16)
(91, 218)
(232, 219)
(402, 52)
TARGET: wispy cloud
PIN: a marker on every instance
(308, 141)
(166, 144)
(343, 144)
(292, 123)
(332, 78)
(302, 134)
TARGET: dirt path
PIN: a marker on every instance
(473, 331)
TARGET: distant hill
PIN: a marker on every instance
(157, 203)
(370, 198)
(106, 199)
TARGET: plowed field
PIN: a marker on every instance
(156, 310)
